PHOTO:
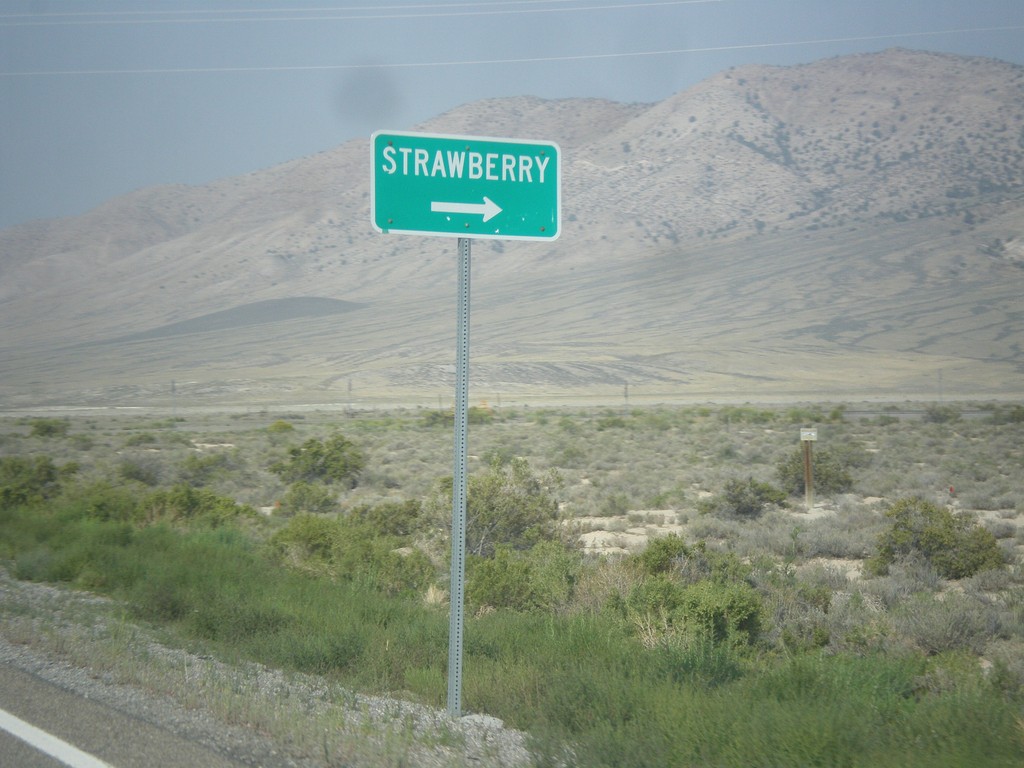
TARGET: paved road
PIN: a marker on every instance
(113, 737)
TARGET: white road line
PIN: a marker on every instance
(49, 744)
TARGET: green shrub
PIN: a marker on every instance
(723, 612)
(941, 414)
(334, 460)
(610, 421)
(745, 498)
(307, 541)
(183, 503)
(360, 554)
(391, 518)
(100, 501)
(499, 581)
(705, 610)
(141, 438)
(734, 414)
(701, 563)
(507, 504)
(954, 544)
(829, 469)
(689, 564)
(401, 571)
(197, 469)
(694, 592)
(555, 570)
(279, 431)
(1013, 414)
(28, 480)
(351, 550)
(479, 415)
(143, 470)
(474, 415)
(809, 414)
(87, 552)
(309, 497)
(542, 578)
(659, 596)
(49, 427)
(438, 419)
(660, 554)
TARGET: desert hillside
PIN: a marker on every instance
(849, 228)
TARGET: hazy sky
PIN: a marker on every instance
(100, 98)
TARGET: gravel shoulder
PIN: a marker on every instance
(249, 713)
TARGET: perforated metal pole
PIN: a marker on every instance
(458, 576)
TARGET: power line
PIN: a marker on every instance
(523, 60)
(315, 9)
(362, 13)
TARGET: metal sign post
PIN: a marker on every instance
(464, 187)
(458, 568)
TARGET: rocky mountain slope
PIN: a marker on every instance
(850, 227)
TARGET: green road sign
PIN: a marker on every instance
(465, 186)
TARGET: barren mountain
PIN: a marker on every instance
(853, 227)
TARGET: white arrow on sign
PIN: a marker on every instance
(488, 208)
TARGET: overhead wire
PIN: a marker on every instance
(520, 60)
(365, 13)
(402, 11)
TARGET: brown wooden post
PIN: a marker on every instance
(807, 436)
(808, 476)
